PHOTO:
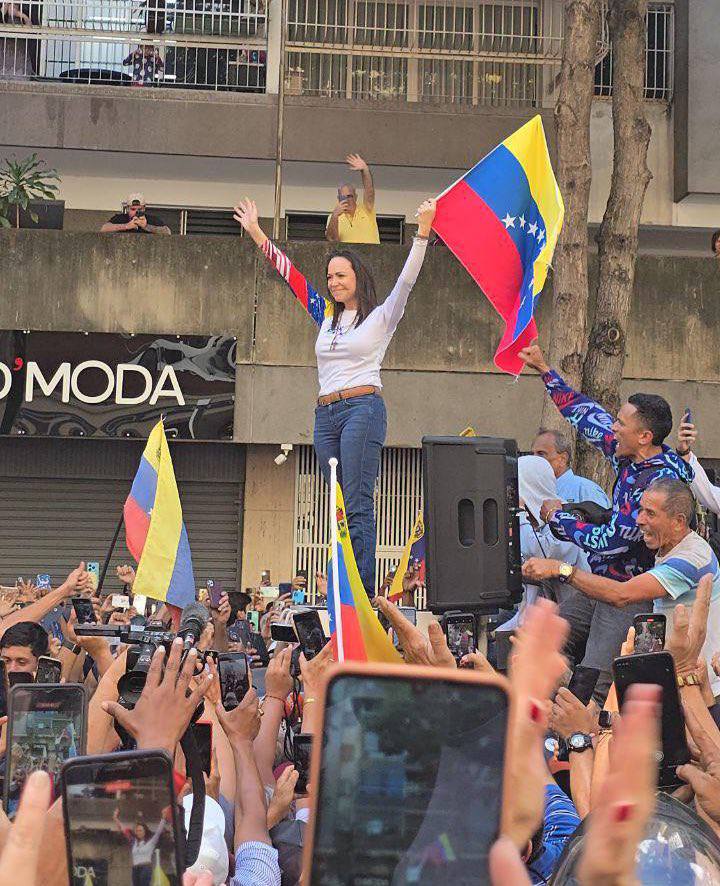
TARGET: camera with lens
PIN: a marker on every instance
(142, 640)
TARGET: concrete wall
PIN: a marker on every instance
(438, 375)
(269, 513)
(242, 125)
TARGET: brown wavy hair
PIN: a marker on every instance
(364, 287)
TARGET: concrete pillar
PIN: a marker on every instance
(269, 516)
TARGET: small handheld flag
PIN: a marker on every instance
(355, 630)
(502, 220)
(414, 552)
(154, 530)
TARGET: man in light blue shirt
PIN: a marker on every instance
(555, 447)
(682, 560)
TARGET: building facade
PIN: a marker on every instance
(422, 90)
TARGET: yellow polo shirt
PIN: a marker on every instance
(361, 228)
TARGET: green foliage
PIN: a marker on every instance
(22, 181)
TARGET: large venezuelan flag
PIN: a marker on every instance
(502, 221)
(414, 550)
(362, 637)
(154, 530)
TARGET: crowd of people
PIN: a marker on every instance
(351, 220)
(584, 806)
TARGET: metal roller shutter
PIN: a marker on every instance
(48, 524)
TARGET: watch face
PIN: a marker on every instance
(577, 740)
(605, 720)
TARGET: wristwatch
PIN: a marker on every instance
(579, 742)
(565, 572)
(690, 679)
(73, 647)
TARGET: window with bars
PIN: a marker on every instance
(457, 52)
(398, 499)
(659, 49)
(311, 226)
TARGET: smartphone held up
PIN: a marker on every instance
(375, 761)
(121, 819)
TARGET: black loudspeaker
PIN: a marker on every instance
(471, 524)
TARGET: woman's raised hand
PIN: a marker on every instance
(425, 215)
(246, 215)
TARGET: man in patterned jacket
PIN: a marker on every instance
(634, 445)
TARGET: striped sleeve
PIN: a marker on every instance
(679, 575)
(309, 298)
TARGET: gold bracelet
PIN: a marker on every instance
(308, 700)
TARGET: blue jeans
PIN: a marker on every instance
(353, 431)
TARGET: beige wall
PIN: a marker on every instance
(269, 516)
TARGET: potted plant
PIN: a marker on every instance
(27, 193)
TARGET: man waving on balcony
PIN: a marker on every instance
(350, 222)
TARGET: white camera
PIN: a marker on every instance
(282, 458)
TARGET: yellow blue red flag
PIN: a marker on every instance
(154, 530)
(502, 220)
(414, 553)
(355, 630)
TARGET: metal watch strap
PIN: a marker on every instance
(690, 679)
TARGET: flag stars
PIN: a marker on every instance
(522, 222)
(532, 229)
(509, 220)
(541, 236)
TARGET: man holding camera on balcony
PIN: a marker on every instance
(350, 222)
(134, 220)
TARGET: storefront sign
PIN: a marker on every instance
(72, 384)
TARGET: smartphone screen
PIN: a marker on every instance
(283, 633)
(582, 683)
(410, 781)
(649, 632)
(46, 726)
(48, 670)
(302, 747)
(460, 633)
(410, 613)
(203, 739)
(254, 619)
(234, 679)
(240, 631)
(310, 632)
(658, 668)
(121, 821)
(84, 611)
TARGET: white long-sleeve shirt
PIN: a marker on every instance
(703, 490)
(350, 356)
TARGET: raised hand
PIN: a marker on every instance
(687, 438)
(163, 711)
(426, 215)
(687, 637)
(627, 797)
(533, 357)
(243, 722)
(356, 162)
(126, 574)
(417, 648)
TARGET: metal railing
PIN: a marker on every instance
(208, 44)
(453, 51)
(659, 53)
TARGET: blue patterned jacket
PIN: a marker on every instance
(615, 549)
